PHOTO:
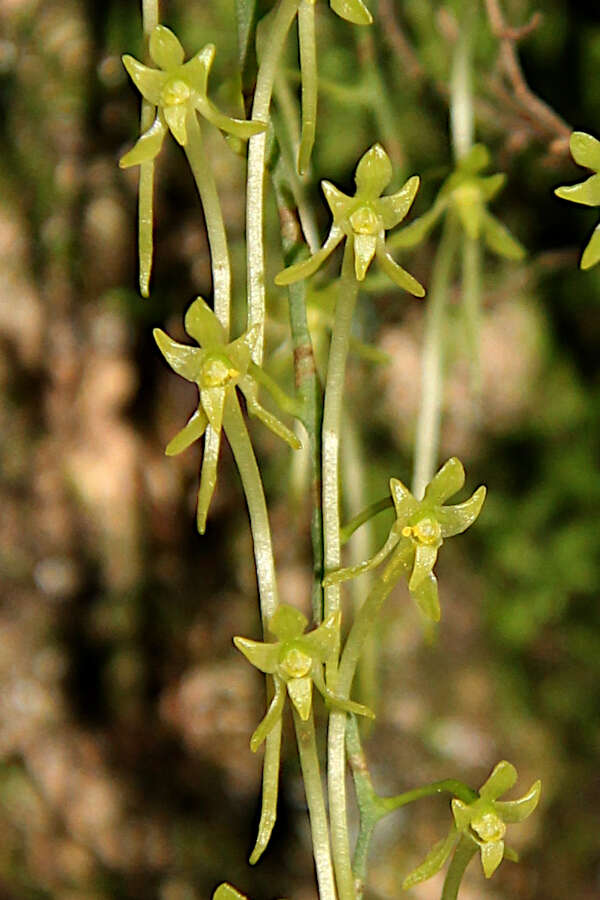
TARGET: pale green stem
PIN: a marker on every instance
(464, 853)
(372, 510)
(146, 182)
(462, 120)
(309, 761)
(432, 382)
(308, 68)
(332, 416)
(286, 12)
(471, 303)
(149, 15)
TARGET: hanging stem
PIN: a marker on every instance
(462, 118)
(309, 761)
(464, 853)
(471, 302)
(308, 68)
(146, 182)
(257, 145)
(430, 410)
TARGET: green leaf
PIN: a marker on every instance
(373, 172)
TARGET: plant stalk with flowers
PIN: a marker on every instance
(295, 655)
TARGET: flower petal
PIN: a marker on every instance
(309, 266)
(184, 360)
(165, 48)
(262, 656)
(353, 571)
(446, 482)
(427, 598)
(272, 716)
(175, 117)
(196, 70)
(149, 82)
(338, 202)
(364, 251)
(491, 186)
(591, 254)
(338, 702)
(191, 432)
(213, 401)
(272, 422)
(238, 352)
(462, 814)
(321, 642)
(208, 476)
(147, 146)
(433, 862)
(373, 173)
(499, 782)
(300, 691)
(241, 128)
(587, 192)
(202, 324)
(405, 504)
(499, 239)
(414, 233)
(585, 150)
(425, 557)
(395, 207)
(491, 856)
(456, 519)
(287, 622)
(398, 275)
(353, 11)
(518, 810)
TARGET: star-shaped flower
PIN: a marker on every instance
(585, 150)
(295, 662)
(363, 220)
(217, 368)
(178, 90)
(419, 531)
(484, 821)
(467, 191)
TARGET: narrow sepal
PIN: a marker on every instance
(192, 431)
(398, 275)
(394, 208)
(300, 691)
(350, 706)
(196, 70)
(456, 519)
(270, 790)
(491, 856)
(208, 476)
(433, 862)
(499, 239)
(308, 267)
(262, 656)
(517, 810)
(273, 715)
(502, 778)
(511, 854)
(405, 504)
(373, 172)
(446, 482)
(176, 118)
(425, 557)
(353, 11)
(147, 146)
(587, 192)
(585, 150)
(272, 422)
(165, 48)
(202, 324)
(337, 201)
(287, 622)
(149, 82)
(241, 128)
(321, 643)
(591, 254)
(184, 360)
(491, 186)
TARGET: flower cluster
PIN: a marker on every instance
(585, 150)
(363, 220)
(484, 822)
(295, 661)
(419, 531)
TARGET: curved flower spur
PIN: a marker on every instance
(217, 368)
(363, 221)
(178, 91)
(419, 531)
(482, 822)
(295, 661)
(585, 150)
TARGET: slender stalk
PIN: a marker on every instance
(309, 761)
(308, 68)
(363, 516)
(149, 15)
(284, 16)
(462, 118)
(146, 182)
(430, 411)
(464, 853)
(471, 303)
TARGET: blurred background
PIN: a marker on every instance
(125, 712)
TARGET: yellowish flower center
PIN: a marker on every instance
(217, 371)
(175, 91)
(365, 221)
(427, 532)
(489, 827)
(467, 195)
(295, 663)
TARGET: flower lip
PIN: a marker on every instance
(427, 531)
(488, 828)
(217, 370)
(296, 663)
(175, 91)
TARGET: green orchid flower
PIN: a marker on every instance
(467, 192)
(363, 220)
(419, 531)
(217, 368)
(295, 661)
(484, 822)
(585, 150)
